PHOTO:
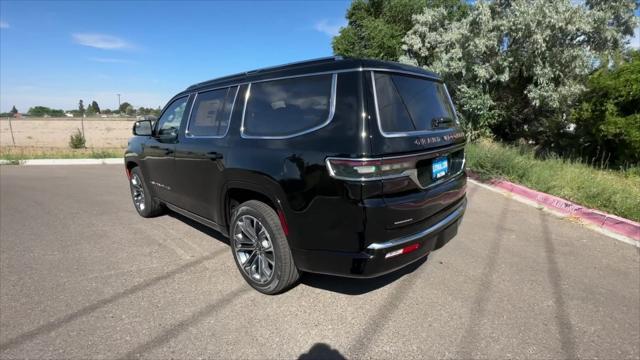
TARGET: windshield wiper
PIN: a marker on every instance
(439, 121)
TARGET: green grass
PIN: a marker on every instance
(15, 154)
(616, 192)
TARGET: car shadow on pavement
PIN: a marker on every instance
(354, 286)
(322, 351)
(472, 337)
(200, 227)
(563, 319)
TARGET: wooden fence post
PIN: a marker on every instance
(13, 139)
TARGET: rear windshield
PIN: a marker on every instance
(408, 104)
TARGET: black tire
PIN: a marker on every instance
(284, 273)
(145, 205)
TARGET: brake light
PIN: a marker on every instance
(370, 169)
(404, 250)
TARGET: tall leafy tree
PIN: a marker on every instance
(96, 108)
(516, 65)
(376, 27)
(81, 109)
(124, 106)
(130, 110)
(90, 110)
(607, 117)
(14, 111)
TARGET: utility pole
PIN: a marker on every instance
(118, 103)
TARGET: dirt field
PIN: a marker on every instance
(55, 132)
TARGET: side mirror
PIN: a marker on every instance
(142, 128)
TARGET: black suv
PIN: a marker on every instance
(339, 166)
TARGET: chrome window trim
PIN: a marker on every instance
(332, 108)
(407, 133)
(193, 104)
(412, 173)
(449, 219)
(405, 72)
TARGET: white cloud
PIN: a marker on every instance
(112, 60)
(100, 41)
(634, 41)
(4, 25)
(331, 29)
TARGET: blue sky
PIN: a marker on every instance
(53, 53)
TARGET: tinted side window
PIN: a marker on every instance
(172, 117)
(288, 106)
(408, 103)
(211, 112)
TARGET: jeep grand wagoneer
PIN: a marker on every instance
(340, 166)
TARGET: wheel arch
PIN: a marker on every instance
(242, 191)
(129, 165)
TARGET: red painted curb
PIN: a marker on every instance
(613, 223)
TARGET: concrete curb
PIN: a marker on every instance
(564, 208)
(108, 161)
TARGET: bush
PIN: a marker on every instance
(77, 140)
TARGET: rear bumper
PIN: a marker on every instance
(372, 262)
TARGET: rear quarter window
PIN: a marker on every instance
(288, 107)
(411, 104)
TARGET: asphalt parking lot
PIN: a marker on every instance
(83, 276)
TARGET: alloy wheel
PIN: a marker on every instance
(137, 192)
(253, 249)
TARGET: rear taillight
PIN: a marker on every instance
(370, 169)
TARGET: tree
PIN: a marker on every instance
(96, 108)
(14, 111)
(123, 107)
(607, 117)
(129, 110)
(81, 108)
(90, 110)
(39, 111)
(376, 27)
(516, 66)
(56, 113)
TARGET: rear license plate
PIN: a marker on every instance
(439, 167)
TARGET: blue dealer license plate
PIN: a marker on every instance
(439, 167)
